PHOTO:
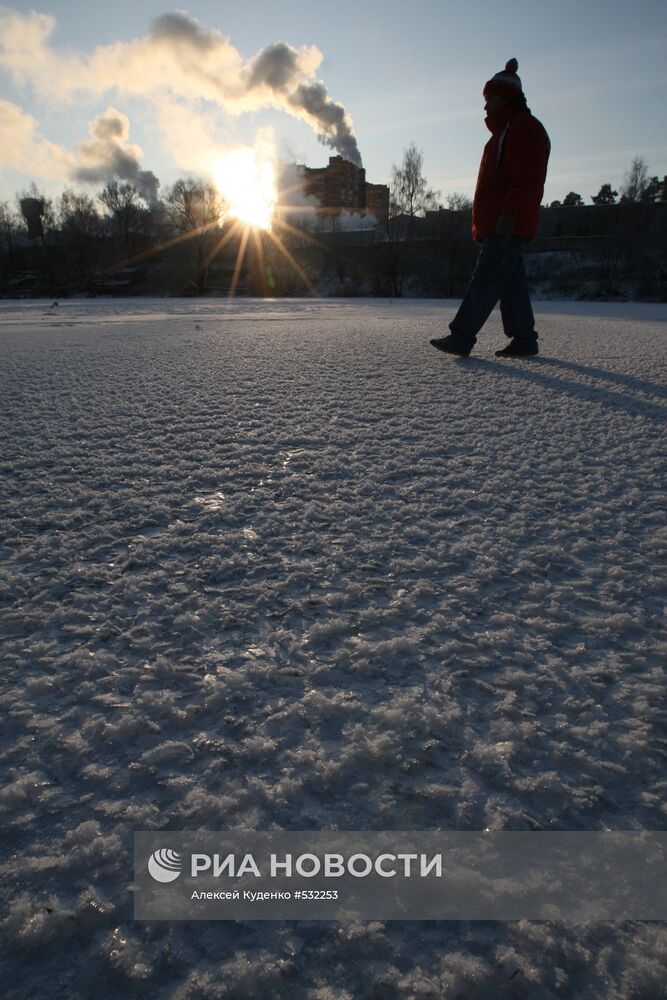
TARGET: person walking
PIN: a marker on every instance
(505, 214)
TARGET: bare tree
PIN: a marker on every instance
(458, 202)
(195, 210)
(129, 213)
(77, 213)
(83, 230)
(9, 226)
(409, 197)
(635, 181)
(192, 206)
(410, 193)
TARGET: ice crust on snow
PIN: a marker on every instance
(280, 564)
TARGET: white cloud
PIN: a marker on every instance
(106, 156)
(22, 148)
(178, 59)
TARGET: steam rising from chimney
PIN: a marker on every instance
(179, 60)
(277, 69)
(329, 118)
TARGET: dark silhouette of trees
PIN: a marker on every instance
(655, 190)
(635, 181)
(129, 214)
(409, 198)
(410, 194)
(457, 202)
(605, 196)
(195, 210)
(118, 243)
(9, 230)
(82, 229)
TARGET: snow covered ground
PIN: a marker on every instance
(281, 564)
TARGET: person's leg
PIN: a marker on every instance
(493, 272)
(516, 308)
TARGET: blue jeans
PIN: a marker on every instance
(499, 274)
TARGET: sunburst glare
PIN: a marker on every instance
(246, 178)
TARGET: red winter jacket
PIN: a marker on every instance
(512, 174)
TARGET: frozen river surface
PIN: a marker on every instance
(283, 565)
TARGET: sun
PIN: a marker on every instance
(247, 181)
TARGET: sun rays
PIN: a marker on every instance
(251, 253)
(253, 224)
(246, 178)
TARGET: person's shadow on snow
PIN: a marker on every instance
(539, 369)
(630, 381)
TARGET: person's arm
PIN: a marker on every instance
(506, 226)
(526, 153)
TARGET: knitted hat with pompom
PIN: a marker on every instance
(506, 83)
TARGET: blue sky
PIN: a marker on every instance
(594, 74)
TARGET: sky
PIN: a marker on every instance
(160, 95)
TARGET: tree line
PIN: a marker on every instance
(629, 257)
(76, 236)
(412, 197)
(637, 188)
(119, 242)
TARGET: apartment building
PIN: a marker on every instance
(341, 187)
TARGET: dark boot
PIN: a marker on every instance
(452, 345)
(518, 349)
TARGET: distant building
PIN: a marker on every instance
(342, 187)
(32, 210)
(377, 201)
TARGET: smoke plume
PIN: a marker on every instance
(179, 60)
(105, 157)
(108, 156)
(328, 118)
